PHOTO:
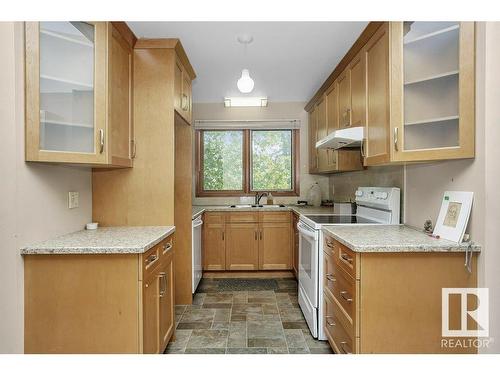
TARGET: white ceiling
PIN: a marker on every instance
(287, 60)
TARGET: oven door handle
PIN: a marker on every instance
(303, 229)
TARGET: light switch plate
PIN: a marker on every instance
(73, 199)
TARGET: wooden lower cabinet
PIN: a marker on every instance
(99, 303)
(242, 246)
(214, 242)
(275, 248)
(389, 302)
(247, 241)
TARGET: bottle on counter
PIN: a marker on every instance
(314, 195)
(270, 199)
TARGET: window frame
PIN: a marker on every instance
(247, 166)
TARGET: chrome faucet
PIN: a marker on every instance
(258, 197)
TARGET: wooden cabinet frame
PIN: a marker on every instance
(32, 84)
(110, 119)
(466, 97)
(246, 157)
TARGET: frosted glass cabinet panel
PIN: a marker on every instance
(67, 86)
(437, 90)
(66, 92)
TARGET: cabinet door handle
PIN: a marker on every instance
(346, 258)
(331, 277)
(343, 346)
(222, 235)
(151, 259)
(185, 102)
(396, 139)
(167, 247)
(343, 294)
(363, 148)
(101, 141)
(163, 285)
(329, 322)
(348, 119)
(261, 234)
(255, 235)
(134, 148)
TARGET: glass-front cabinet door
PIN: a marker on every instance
(65, 92)
(435, 79)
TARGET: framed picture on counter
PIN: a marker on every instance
(454, 215)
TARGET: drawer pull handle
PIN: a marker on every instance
(343, 294)
(329, 244)
(343, 346)
(151, 259)
(330, 277)
(329, 322)
(346, 258)
(167, 247)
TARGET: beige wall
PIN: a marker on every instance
(426, 183)
(33, 203)
(288, 110)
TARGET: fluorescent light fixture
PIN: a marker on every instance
(245, 102)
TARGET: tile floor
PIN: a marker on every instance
(263, 321)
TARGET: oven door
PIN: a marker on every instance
(308, 262)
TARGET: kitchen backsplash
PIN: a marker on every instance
(343, 185)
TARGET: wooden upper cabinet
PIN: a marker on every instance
(313, 153)
(344, 99)
(182, 91)
(78, 94)
(321, 132)
(358, 90)
(411, 84)
(121, 82)
(377, 146)
(433, 106)
(332, 108)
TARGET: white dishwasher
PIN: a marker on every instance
(197, 269)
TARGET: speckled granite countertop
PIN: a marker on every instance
(105, 240)
(304, 210)
(391, 239)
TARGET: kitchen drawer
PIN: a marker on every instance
(275, 217)
(242, 217)
(339, 333)
(150, 260)
(214, 217)
(166, 246)
(329, 246)
(346, 259)
(343, 288)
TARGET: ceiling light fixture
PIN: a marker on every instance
(245, 102)
(245, 83)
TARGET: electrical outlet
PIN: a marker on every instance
(73, 199)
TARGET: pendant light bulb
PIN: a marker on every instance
(245, 83)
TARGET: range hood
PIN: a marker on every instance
(349, 137)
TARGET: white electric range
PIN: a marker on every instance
(374, 205)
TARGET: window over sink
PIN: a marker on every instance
(242, 162)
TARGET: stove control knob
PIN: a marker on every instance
(359, 193)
